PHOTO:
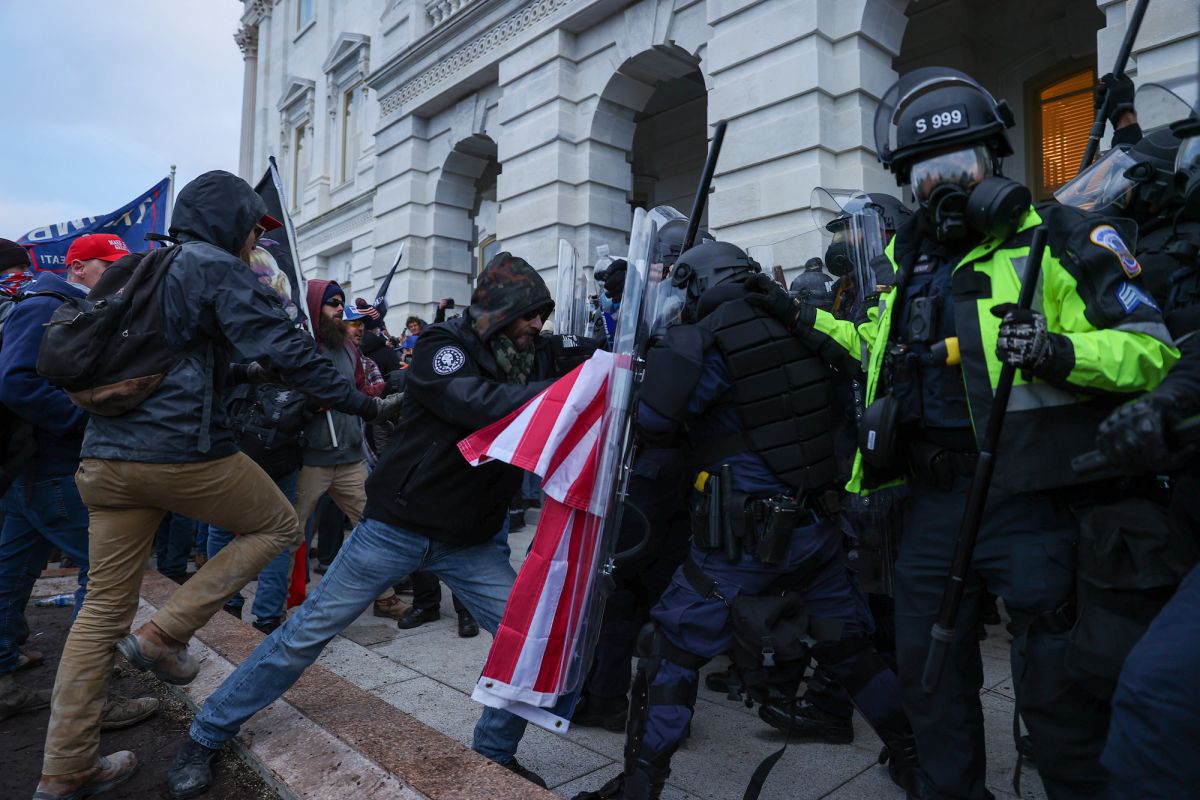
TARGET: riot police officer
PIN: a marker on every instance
(1155, 730)
(936, 348)
(813, 285)
(755, 404)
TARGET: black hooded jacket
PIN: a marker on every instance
(422, 483)
(215, 312)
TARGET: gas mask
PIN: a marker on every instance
(942, 184)
(838, 258)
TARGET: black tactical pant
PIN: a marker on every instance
(1025, 555)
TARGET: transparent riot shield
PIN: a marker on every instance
(616, 448)
(570, 302)
(854, 240)
(663, 303)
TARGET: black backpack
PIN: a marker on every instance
(109, 350)
(268, 421)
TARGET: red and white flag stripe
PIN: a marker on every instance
(557, 435)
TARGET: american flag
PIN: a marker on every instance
(559, 436)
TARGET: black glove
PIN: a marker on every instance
(1024, 342)
(1121, 91)
(384, 408)
(570, 351)
(1134, 437)
(764, 293)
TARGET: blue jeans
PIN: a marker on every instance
(173, 544)
(272, 592)
(37, 518)
(373, 558)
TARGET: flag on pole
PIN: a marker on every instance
(557, 435)
(148, 213)
(281, 243)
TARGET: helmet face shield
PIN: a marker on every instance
(964, 168)
(1101, 185)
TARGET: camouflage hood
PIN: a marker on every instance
(508, 288)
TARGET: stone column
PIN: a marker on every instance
(798, 82)
(247, 41)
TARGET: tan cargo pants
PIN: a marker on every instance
(126, 501)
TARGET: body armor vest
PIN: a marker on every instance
(782, 393)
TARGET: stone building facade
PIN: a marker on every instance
(462, 127)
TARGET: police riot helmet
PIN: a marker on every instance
(669, 243)
(707, 265)
(1152, 172)
(931, 110)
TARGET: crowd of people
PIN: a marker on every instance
(805, 460)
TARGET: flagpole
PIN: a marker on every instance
(170, 197)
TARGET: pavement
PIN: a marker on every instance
(395, 685)
(428, 673)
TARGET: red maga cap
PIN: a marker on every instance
(269, 223)
(104, 246)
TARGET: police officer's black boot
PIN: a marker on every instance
(900, 755)
(645, 780)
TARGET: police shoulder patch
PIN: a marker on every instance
(1130, 297)
(1106, 236)
(449, 359)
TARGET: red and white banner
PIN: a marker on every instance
(558, 436)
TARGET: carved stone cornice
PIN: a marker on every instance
(473, 51)
(255, 11)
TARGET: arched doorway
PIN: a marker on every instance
(653, 115)
(465, 220)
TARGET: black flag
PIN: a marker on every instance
(284, 274)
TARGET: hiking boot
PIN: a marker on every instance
(809, 723)
(391, 607)
(28, 658)
(527, 774)
(125, 712)
(516, 519)
(900, 754)
(16, 699)
(608, 713)
(416, 617)
(149, 648)
(191, 771)
(200, 559)
(467, 626)
(110, 771)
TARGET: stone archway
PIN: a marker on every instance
(465, 205)
(650, 129)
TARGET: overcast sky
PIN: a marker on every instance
(98, 99)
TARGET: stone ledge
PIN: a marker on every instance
(420, 761)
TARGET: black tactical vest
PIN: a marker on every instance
(782, 392)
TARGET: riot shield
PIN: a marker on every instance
(570, 302)
(615, 456)
(663, 303)
(854, 241)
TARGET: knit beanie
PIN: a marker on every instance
(332, 291)
(13, 255)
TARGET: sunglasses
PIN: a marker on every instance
(336, 303)
(537, 313)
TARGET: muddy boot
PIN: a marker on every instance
(16, 699)
(125, 712)
(148, 648)
(191, 771)
(110, 771)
